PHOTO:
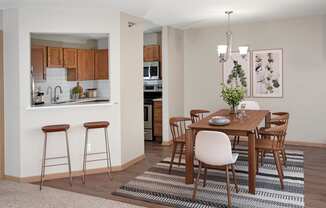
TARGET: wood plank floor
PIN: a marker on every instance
(99, 185)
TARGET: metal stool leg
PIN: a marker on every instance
(85, 157)
(108, 155)
(43, 161)
(68, 156)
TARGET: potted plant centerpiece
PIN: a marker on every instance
(234, 92)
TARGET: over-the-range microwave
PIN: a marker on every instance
(152, 70)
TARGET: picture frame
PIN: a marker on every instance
(227, 68)
(267, 73)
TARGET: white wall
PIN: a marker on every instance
(24, 139)
(131, 72)
(173, 77)
(304, 55)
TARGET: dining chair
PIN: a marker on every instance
(248, 105)
(198, 114)
(207, 144)
(280, 118)
(179, 130)
(272, 140)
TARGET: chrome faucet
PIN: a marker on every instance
(47, 92)
(56, 97)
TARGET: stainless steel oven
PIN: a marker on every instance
(148, 118)
(151, 70)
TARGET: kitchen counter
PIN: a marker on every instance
(75, 102)
(157, 99)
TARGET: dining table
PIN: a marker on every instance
(244, 126)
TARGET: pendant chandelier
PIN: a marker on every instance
(224, 51)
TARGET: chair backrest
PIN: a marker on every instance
(197, 114)
(250, 105)
(179, 126)
(213, 148)
(280, 118)
(276, 134)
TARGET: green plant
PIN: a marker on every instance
(232, 95)
(237, 74)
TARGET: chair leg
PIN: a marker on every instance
(85, 157)
(196, 182)
(43, 161)
(238, 139)
(205, 177)
(68, 156)
(172, 158)
(180, 156)
(108, 155)
(284, 157)
(257, 161)
(228, 186)
(234, 142)
(235, 179)
(279, 168)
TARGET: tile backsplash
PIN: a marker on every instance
(58, 76)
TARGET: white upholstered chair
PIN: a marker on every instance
(249, 105)
(213, 150)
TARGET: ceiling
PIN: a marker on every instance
(191, 13)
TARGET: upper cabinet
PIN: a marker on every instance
(70, 58)
(55, 57)
(38, 59)
(101, 64)
(152, 53)
(86, 62)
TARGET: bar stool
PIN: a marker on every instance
(97, 125)
(52, 129)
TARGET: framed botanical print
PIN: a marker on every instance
(236, 71)
(267, 73)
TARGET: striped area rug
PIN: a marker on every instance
(157, 186)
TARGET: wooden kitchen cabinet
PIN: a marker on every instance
(70, 58)
(101, 64)
(38, 61)
(55, 57)
(152, 53)
(86, 62)
(157, 123)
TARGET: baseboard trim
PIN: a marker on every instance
(167, 143)
(306, 144)
(32, 179)
(295, 143)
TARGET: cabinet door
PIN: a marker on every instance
(152, 53)
(70, 58)
(85, 59)
(55, 57)
(101, 64)
(38, 61)
(157, 118)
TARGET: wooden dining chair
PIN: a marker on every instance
(248, 105)
(198, 114)
(280, 118)
(272, 140)
(179, 130)
(207, 144)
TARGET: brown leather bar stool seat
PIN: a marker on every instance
(96, 124)
(51, 129)
(55, 128)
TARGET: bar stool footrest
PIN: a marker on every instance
(96, 153)
(54, 158)
(96, 160)
(59, 164)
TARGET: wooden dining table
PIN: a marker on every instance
(244, 127)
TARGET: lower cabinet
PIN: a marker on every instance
(157, 123)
